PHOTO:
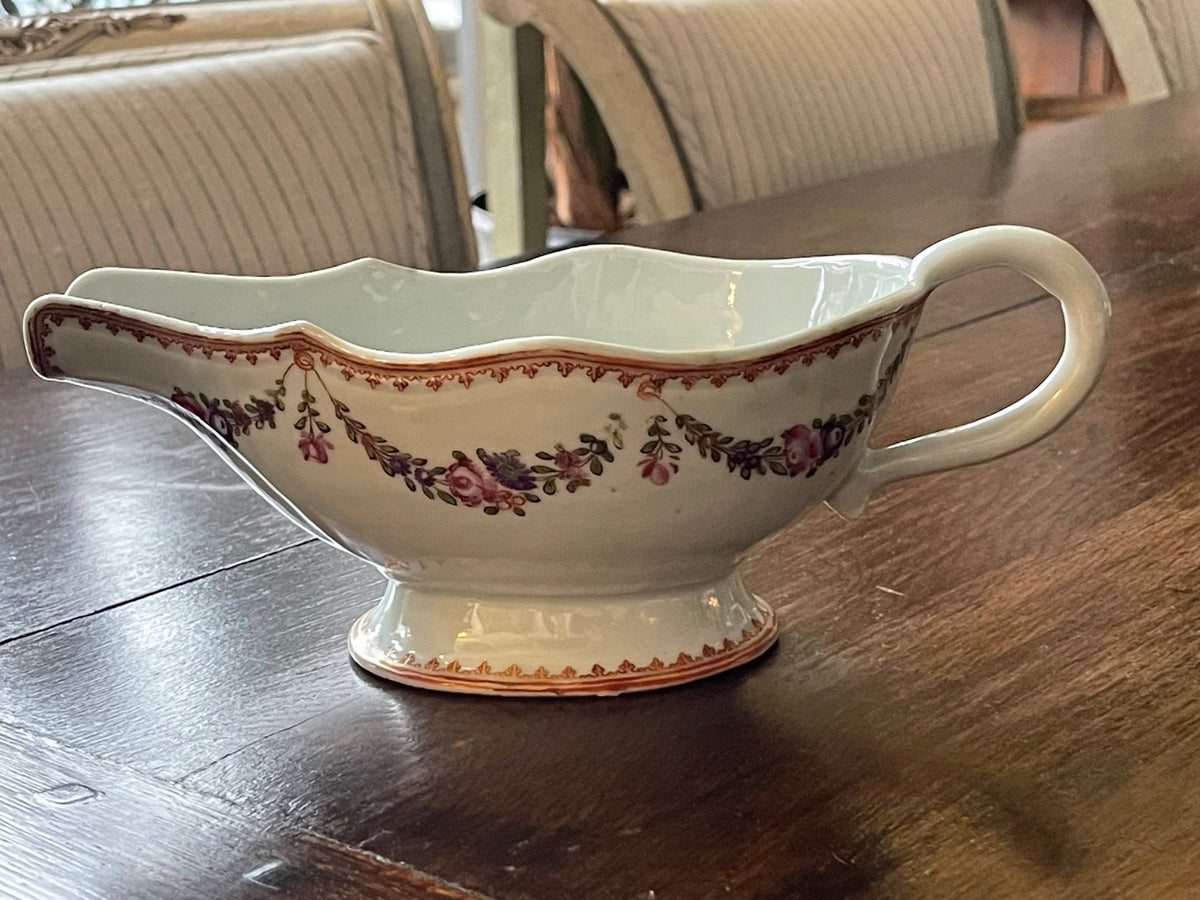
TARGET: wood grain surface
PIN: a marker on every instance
(97, 830)
(985, 687)
(99, 503)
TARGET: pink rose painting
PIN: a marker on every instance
(801, 448)
(471, 485)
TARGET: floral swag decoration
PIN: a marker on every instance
(505, 480)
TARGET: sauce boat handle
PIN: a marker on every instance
(1063, 272)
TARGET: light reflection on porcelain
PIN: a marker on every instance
(558, 465)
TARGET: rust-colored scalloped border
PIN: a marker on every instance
(626, 677)
(433, 375)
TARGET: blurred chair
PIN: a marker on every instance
(1155, 43)
(224, 149)
(709, 102)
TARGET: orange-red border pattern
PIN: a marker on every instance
(627, 676)
(434, 375)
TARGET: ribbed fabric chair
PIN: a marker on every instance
(1156, 44)
(253, 155)
(713, 101)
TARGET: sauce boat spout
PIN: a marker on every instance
(88, 349)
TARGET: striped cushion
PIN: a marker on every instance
(773, 95)
(281, 159)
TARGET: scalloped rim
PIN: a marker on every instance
(907, 295)
(433, 370)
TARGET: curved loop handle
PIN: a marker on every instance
(1063, 272)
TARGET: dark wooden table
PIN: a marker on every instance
(989, 686)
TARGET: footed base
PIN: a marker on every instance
(562, 646)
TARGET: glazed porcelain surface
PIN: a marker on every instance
(558, 465)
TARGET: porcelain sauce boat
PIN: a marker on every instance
(558, 465)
